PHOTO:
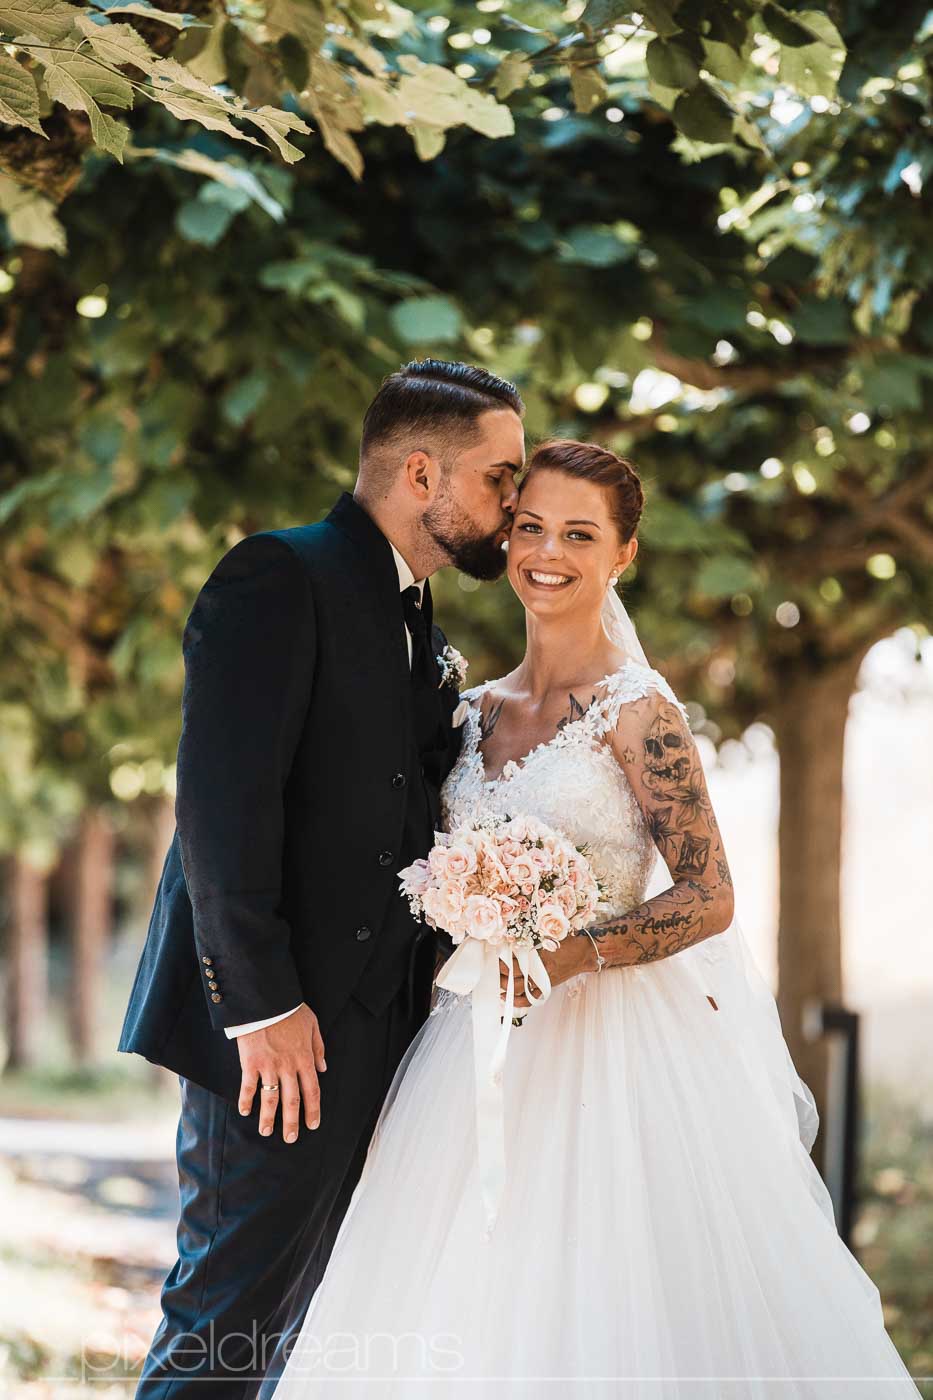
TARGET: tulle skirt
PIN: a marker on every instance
(664, 1234)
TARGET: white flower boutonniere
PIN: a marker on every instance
(453, 668)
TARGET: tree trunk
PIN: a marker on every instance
(27, 963)
(809, 724)
(91, 927)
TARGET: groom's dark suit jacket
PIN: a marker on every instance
(303, 788)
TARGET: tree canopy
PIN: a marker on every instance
(700, 235)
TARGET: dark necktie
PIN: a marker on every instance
(424, 684)
(417, 624)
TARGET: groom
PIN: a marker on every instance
(283, 976)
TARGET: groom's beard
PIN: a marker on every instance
(480, 556)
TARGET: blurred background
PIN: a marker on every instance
(697, 232)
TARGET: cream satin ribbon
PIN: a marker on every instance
(473, 967)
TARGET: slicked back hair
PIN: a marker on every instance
(431, 405)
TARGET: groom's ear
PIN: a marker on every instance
(422, 475)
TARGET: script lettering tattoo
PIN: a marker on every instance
(667, 777)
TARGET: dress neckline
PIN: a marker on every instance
(512, 766)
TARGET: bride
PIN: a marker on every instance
(663, 1232)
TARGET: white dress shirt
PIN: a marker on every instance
(405, 579)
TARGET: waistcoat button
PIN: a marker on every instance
(363, 933)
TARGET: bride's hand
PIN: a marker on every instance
(572, 956)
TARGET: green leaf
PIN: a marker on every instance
(188, 105)
(147, 11)
(31, 218)
(588, 87)
(82, 85)
(822, 321)
(243, 398)
(660, 15)
(724, 575)
(48, 20)
(723, 61)
(338, 109)
(893, 383)
(80, 496)
(602, 14)
(785, 27)
(703, 115)
(274, 122)
(302, 18)
(813, 69)
(672, 64)
(19, 96)
(594, 245)
(204, 222)
(427, 319)
(513, 73)
(429, 140)
(117, 43)
(437, 97)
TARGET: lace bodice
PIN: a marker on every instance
(573, 782)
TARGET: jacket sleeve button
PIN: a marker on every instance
(363, 933)
(399, 780)
(385, 857)
(215, 996)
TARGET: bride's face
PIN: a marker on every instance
(564, 545)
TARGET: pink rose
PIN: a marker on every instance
(523, 871)
(552, 922)
(437, 860)
(566, 897)
(510, 850)
(483, 918)
(461, 860)
(443, 903)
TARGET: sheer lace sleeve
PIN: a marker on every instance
(632, 682)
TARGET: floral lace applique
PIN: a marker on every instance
(571, 781)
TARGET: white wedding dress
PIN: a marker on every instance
(663, 1235)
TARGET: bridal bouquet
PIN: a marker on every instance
(511, 883)
(503, 888)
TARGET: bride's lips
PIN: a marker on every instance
(547, 580)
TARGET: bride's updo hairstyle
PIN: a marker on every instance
(588, 461)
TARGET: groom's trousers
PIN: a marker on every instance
(259, 1216)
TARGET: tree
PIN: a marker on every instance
(744, 317)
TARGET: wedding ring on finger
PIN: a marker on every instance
(272, 1088)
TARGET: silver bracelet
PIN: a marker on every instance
(600, 960)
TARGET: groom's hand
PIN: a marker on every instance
(290, 1054)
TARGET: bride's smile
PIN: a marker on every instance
(564, 547)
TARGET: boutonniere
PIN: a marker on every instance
(453, 668)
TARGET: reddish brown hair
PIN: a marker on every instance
(588, 461)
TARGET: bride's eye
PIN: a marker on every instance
(529, 525)
(581, 534)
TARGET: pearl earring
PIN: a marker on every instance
(613, 579)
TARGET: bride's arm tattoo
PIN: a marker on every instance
(653, 744)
